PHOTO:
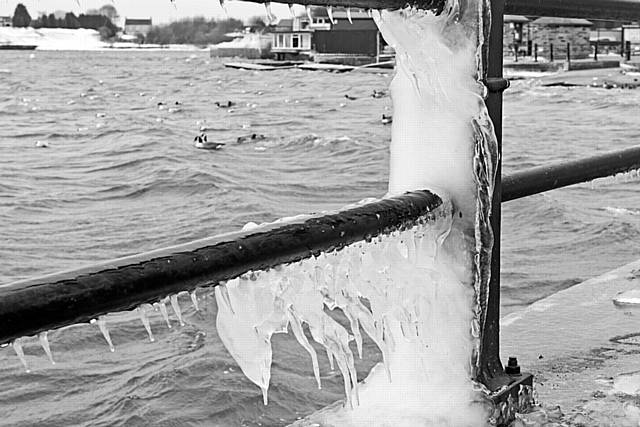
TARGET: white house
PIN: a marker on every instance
(291, 38)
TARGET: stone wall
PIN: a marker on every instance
(559, 36)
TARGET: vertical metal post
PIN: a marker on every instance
(550, 52)
(568, 56)
(627, 45)
(491, 372)
(535, 52)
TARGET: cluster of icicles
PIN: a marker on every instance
(373, 282)
(101, 321)
(271, 17)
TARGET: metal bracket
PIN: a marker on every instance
(516, 397)
(496, 84)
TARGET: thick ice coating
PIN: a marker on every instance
(419, 294)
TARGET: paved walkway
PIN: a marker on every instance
(583, 351)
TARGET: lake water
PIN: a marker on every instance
(121, 176)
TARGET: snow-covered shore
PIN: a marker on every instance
(52, 38)
(68, 39)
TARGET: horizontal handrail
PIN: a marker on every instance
(31, 306)
(34, 305)
(561, 174)
(624, 10)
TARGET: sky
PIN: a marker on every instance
(159, 10)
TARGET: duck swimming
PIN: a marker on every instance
(227, 104)
(200, 141)
(350, 98)
(42, 144)
(386, 119)
(250, 138)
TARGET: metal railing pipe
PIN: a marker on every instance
(623, 10)
(31, 306)
(561, 174)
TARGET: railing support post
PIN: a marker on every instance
(491, 372)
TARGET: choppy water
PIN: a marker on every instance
(121, 176)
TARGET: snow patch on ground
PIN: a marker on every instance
(53, 38)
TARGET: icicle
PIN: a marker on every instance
(223, 5)
(194, 300)
(307, 9)
(102, 324)
(298, 332)
(145, 321)
(224, 294)
(163, 310)
(330, 356)
(176, 308)
(355, 329)
(330, 14)
(349, 15)
(291, 14)
(265, 391)
(44, 342)
(270, 16)
(17, 347)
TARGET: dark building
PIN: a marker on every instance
(357, 41)
(359, 37)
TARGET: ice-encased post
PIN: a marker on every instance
(491, 372)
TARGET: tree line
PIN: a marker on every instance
(97, 20)
(198, 31)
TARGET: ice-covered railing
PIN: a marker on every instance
(32, 306)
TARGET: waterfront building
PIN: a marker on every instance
(291, 38)
(342, 41)
(547, 31)
(137, 26)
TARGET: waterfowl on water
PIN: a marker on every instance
(42, 144)
(227, 104)
(250, 138)
(200, 141)
(378, 93)
(386, 119)
(350, 98)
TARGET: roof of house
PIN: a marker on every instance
(285, 23)
(565, 22)
(515, 19)
(355, 14)
(137, 21)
